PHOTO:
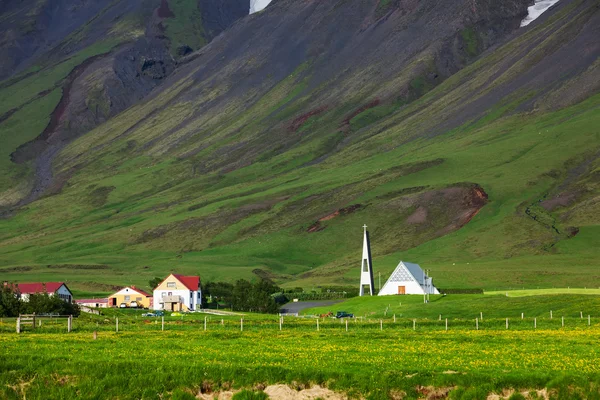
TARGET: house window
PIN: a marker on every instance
(138, 299)
(171, 284)
(127, 298)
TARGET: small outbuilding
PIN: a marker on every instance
(93, 303)
(408, 278)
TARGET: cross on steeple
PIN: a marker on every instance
(365, 226)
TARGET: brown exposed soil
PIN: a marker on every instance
(433, 393)
(164, 11)
(564, 199)
(348, 118)
(298, 122)
(342, 211)
(418, 217)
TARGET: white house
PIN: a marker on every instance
(178, 293)
(408, 278)
(52, 288)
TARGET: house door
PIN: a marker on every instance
(113, 302)
(401, 289)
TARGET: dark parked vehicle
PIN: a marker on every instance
(343, 314)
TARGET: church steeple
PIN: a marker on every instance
(366, 268)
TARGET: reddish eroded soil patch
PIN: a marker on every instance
(298, 122)
(418, 217)
(562, 200)
(342, 211)
(459, 204)
(164, 11)
(346, 121)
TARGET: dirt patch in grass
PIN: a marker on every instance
(342, 211)
(433, 393)
(418, 217)
(346, 122)
(284, 392)
(298, 122)
(164, 11)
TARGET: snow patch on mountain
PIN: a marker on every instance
(534, 11)
(258, 5)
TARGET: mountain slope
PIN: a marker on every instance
(454, 134)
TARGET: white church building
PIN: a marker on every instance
(408, 278)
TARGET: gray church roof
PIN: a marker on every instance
(415, 271)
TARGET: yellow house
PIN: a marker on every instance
(178, 293)
(130, 297)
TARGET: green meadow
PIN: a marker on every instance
(375, 356)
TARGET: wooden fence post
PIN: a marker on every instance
(380, 324)
(414, 324)
(117, 324)
(477, 323)
(394, 318)
(550, 314)
(95, 335)
(589, 321)
(481, 315)
(162, 323)
(535, 323)
(581, 314)
(241, 324)
(204, 324)
(522, 315)
(563, 322)
(506, 323)
(19, 324)
(33, 321)
(346, 325)
(280, 323)
(70, 323)
(317, 324)
(446, 323)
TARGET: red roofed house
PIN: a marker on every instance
(52, 288)
(178, 293)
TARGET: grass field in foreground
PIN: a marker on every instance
(181, 362)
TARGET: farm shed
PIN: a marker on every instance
(408, 278)
(93, 303)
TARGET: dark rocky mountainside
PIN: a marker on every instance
(453, 132)
(108, 82)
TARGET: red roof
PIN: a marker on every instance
(140, 291)
(39, 287)
(191, 282)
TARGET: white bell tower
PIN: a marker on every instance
(366, 268)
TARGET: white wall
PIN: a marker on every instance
(411, 287)
(192, 303)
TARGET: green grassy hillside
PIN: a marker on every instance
(202, 178)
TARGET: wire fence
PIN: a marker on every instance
(213, 323)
